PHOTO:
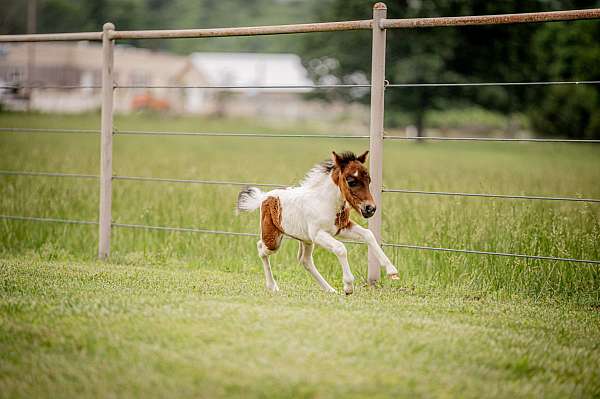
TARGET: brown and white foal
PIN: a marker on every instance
(314, 213)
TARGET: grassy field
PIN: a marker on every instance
(87, 329)
(187, 313)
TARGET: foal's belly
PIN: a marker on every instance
(299, 220)
(295, 226)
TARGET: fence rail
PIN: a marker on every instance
(500, 19)
(52, 37)
(378, 26)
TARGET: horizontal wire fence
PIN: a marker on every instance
(499, 139)
(503, 196)
(383, 24)
(193, 181)
(274, 185)
(296, 135)
(46, 130)
(257, 135)
(47, 174)
(45, 219)
(311, 86)
(255, 235)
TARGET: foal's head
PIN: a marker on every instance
(351, 176)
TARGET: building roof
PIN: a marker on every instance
(250, 69)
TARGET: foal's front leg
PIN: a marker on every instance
(327, 241)
(356, 232)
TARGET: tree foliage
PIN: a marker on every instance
(505, 53)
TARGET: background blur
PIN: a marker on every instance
(510, 53)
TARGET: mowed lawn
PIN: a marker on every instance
(90, 329)
(185, 314)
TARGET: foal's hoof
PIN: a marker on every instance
(348, 290)
(393, 276)
(273, 288)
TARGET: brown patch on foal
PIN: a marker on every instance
(270, 223)
(342, 219)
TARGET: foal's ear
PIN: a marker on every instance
(362, 158)
(336, 159)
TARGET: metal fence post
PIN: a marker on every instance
(106, 132)
(376, 130)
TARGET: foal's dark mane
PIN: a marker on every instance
(325, 168)
(345, 157)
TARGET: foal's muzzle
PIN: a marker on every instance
(368, 211)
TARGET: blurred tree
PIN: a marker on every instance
(13, 15)
(568, 51)
(90, 15)
(460, 54)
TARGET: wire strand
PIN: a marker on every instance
(523, 197)
(234, 233)
(309, 86)
(50, 174)
(439, 138)
(467, 84)
(52, 220)
(45, 130)
(184, 229)
(238, 183)
(506, 254)
(202, 231)
(194, 181)
(59, 87)
(218, 134)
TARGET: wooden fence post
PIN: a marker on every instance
(106, 133)
(376, 130)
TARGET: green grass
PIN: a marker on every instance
(181, 314)
(464, 121)
(90, 329)
(529, 227)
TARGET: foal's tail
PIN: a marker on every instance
(249, 199)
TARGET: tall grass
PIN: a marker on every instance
(528, 227)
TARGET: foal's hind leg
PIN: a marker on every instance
(306, 258)
(264, 253)
(270, 237)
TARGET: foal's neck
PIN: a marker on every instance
(329, 192)
(319, 181)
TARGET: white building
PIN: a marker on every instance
(74, 64)
(255, 69)
(80, 64)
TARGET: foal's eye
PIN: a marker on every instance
(352, 182)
